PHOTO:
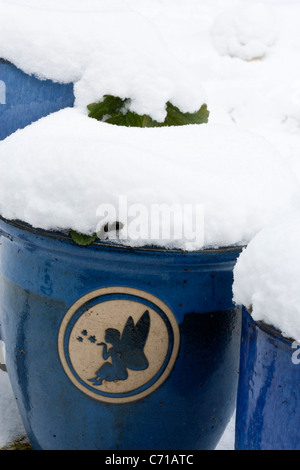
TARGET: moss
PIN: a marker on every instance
(19, 444)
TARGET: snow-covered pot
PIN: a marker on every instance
(268, 401)
(266, 282)
(25, 99)
(118, 348)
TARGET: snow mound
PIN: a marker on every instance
(104, 48)
(247, 32)
(267, 275)
(56, 172)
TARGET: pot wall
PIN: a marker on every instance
(58, 308)
(25, 99)
(268, 402)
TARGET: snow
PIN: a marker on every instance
(11, 426)
(267, 275)
(241, 57)
(247, 32)
(152, 54)
(105, 47)
(89, 163)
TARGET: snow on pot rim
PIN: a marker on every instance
(207, 254)
(56, 173)
(269, 330)
(266, 276)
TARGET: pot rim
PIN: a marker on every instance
(64, 237)
(269, 329)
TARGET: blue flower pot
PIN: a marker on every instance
(268, 402)
(116, 348)
(24, 98)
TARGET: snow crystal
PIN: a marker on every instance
(11, 426)
(56, 172)
(246, 31)
(267, 275)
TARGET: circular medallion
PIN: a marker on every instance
(118, 344)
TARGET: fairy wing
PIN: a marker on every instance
(133, 341)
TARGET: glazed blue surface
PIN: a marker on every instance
(268, 404)
(41, 278)
(28, 99)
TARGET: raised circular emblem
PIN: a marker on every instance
(118, 344)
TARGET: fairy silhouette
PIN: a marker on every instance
(127, 351)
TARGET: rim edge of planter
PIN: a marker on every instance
(268, 329)
(108, 244)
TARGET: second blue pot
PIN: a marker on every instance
(268, 402)
(25, 99)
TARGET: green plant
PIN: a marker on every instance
(114, 110)
(82, 240)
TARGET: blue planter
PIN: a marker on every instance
(24, 98)
(117, 348)
(268, 402)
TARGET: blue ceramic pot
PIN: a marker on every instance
(24, 98)
(268, 402)
(116, 348)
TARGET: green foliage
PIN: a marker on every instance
(114, 110)
(82, 240)
(18, 444)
